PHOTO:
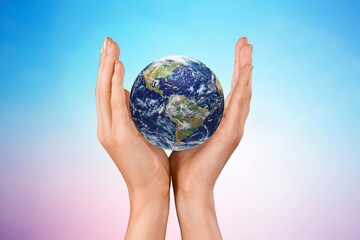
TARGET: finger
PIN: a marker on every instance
(127, 101)
(118, 103)
(241, 42)
(102, 57)
(111, 52)
(243, 57)
(247, 101)
(240, 91)
(239, 61)
(238, 103)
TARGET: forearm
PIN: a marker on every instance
(197, 216)
(148, 217)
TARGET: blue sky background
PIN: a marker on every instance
(306, 85)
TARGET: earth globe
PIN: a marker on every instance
(176, 102)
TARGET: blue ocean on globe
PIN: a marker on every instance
(176, 102)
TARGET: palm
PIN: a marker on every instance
(203, 164)
(140, 140)
(146, 160)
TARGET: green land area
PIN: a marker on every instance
(162, 71)
(186, 115)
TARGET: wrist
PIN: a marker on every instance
(197, 215)
(201, 199)
(148, 193)
(150, 189)
(155, 199)
(193, 189)
(143, 199)
(148, 215)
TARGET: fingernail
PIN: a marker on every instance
(106, 45)
(103, 48)
(245, 39)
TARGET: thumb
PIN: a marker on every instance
(127, 101)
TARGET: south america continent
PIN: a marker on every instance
(186, 115)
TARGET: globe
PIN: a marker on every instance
(176, 102)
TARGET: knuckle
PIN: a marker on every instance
(247, 68)
(113, 139)
(118, 139)
(116, 48)
(122, 67)
(114, 53)
(242, 98)
(103, 92)
(114, 101)
(120, 135)
(121, 63)
(100, 136)
(239, 99)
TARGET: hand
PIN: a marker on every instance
(145, 167)
(195, 171)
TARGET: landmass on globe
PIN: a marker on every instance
(176, 102)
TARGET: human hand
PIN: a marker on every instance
(144, 167)
(195, 171)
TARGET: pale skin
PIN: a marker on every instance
(146, 168)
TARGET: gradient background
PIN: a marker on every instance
(295, 176)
